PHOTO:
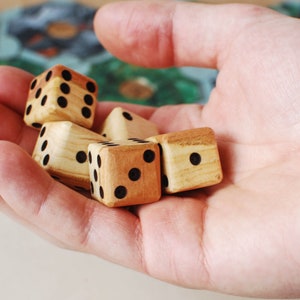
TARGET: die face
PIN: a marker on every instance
(122, 124)
(61, 149)
(61, 94)
(125, 172)
(190, 160)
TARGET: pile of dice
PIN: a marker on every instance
(127, 162)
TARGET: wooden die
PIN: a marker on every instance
(190, 159)
(62, 148)
(125, 172)
(122, 124)
(61, 94)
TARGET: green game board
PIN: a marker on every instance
(37, 37)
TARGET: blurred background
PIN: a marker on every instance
(35, 35)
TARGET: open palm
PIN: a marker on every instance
(241, 236)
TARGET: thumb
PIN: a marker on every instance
(163, 34)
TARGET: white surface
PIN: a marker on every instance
(33, 269)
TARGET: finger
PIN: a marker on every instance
(13, 129)
(162, 34)
(64, 214)
(9, 212)
(14, 85)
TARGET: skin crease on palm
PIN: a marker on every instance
(240, 237)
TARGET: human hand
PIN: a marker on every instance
(241, 236)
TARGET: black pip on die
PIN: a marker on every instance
(125, 172)
(62, 148)
(190, 159)
(61, 94)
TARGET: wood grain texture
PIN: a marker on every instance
(123, 124)
(62, 149)
(190, 159)
(61, 94)
(125, 173)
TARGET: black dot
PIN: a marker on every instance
(44, 145)
(65, 88)
(90, 157)
(66, 75)
(149, 156)
(44, 100)
(98, 161)
(134, 174)
(104, 134)
(92, 187)
(48, 76)
(101, 192)
(37, 125)
(127, 116)
(46, 160)
(33, 84)
(28, 109)
(95, 175)
(38, 93)
(91, 87)
(62, 102)
(86, 112)
(81, 157)
(195, 158)
(120, 192)
(43, 131)
(164, 181)
(88, 99)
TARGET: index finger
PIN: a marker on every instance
(167, 33)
